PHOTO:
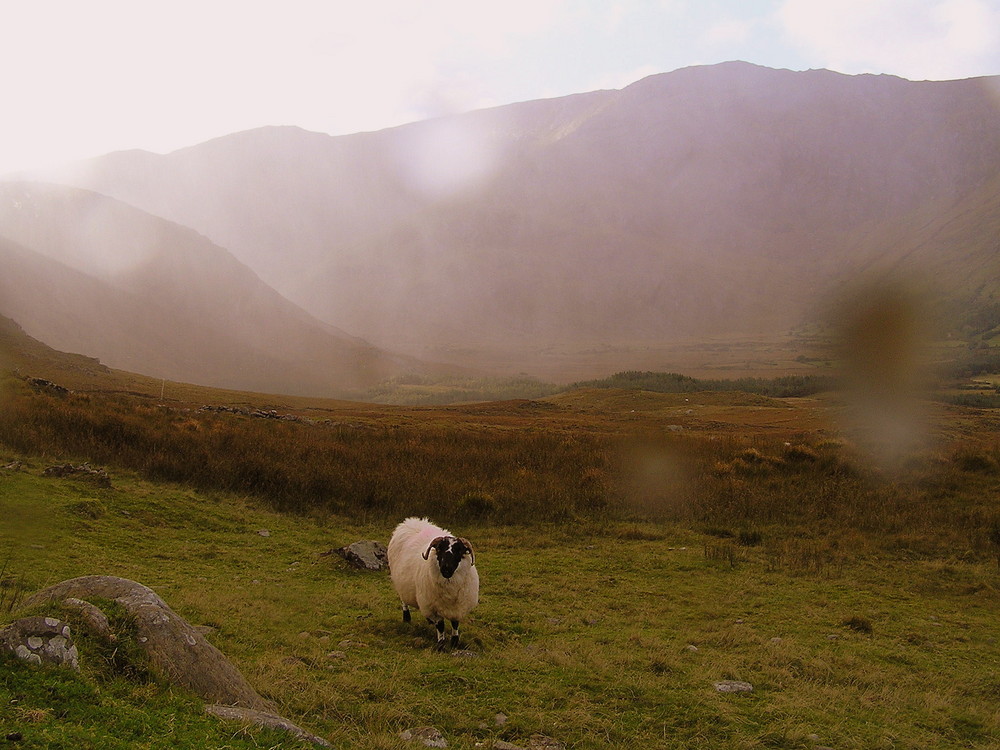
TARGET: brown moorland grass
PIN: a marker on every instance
(714, 460)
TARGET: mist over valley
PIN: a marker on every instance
(700, 221)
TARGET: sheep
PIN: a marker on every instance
(434, 571)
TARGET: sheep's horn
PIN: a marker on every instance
(472, 552)
(428, 550)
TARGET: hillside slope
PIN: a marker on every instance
(86, 273)
(29, 357)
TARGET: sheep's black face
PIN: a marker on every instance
(450, 552)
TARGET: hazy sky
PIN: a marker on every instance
(84, 77)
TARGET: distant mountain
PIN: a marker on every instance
(86, 273)
(712, 201)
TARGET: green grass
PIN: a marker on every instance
(671, 382)
(983, 400)
(53, 708)
(418, 390)
(583, 632)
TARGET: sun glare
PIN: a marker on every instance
(444, 157)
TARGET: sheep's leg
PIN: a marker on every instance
(454, 633)
(406, 612)
(440, 629)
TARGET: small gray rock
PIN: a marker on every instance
(264, 719)
(365, 555)
(542, 742)
(733, 686)
(427, 736)
(352, 644)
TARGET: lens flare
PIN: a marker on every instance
(883, 352)
(445, 157)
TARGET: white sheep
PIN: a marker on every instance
(434, 571)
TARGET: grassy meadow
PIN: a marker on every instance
(635, 548)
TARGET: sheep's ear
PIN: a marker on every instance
(472, 552)
(430, 546)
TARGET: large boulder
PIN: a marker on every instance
(177, 652)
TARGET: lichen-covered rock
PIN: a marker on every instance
(41, 640)
(177, 652)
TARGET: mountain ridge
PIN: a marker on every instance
(713, 201)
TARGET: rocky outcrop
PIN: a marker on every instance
(177, 652)
(40, 384)
(84, 471)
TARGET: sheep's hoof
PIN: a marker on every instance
(454, 641)
(406, 615)
(440, 645)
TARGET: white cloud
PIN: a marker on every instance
(912, 38)
(84, 78)
(729, 31)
